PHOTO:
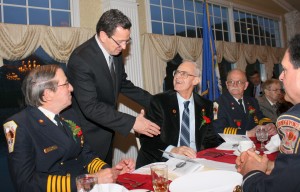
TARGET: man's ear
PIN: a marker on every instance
(196, 81)
(246, 85)
(48, 94)
(103, 36)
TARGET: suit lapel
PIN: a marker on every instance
(47, 129)
(175, 115)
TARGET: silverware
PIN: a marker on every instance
(180, 164)
(136, 183)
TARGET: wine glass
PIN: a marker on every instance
(262, 136)
(85, 183)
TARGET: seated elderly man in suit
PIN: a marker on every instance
(268, 103)
(47, 150)
(184, 118)
(235, 113)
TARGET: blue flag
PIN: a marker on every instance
(209, 84)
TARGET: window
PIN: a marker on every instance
(254, 29)
(184, 18)
(37, 12)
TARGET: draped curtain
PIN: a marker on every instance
(20, 41)
(158, 49)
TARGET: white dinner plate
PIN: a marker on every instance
(207, 181)
(139, 190)
(109, 188)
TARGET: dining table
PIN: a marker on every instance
(143, 181)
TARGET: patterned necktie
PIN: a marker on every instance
(185, 125)
(241, 104)
(59, 124)
(112, 70)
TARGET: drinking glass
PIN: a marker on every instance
(85, 183)
(159, 174)
(262, 136)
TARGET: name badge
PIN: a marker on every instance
(49, 149)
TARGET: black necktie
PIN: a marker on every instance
(254, 91)
(241, 104)
(185, 125)
(60, 124)
(112, 70)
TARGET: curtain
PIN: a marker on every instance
(20, 41)
(158, 49)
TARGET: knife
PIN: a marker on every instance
(177, 156)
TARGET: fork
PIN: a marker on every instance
(135, 182)
(133, 185)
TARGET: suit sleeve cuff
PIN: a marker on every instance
(96, 165)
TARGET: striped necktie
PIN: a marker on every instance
(185, 125)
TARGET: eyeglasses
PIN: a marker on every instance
(121, 42)
(232, 83)
(275, 90)
(65, 84)
(182, 74)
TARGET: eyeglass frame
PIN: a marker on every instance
(65, 84)
(120, 44)
(183, 74)
(232, 83)
(275, 90)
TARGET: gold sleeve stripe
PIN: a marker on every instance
(68, 183)
(264, 120)
(58, 186)
(57, 183)
(95, 165)
(49, 183)
(230, 130)
(63, 184)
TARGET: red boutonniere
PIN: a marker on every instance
(76, 130)
(205, 120)
(251, 110)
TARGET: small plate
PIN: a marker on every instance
(140, 190)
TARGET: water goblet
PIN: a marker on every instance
(262, 136)
(85, 183)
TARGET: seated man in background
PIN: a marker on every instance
(184, 118)
(260, 174)
(269, 101)
(47, 150)
(235, 113)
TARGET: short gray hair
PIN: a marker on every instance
(37, 81)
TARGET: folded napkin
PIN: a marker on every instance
(145, 179)
(109, 188)
(273, 144)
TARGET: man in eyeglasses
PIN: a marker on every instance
(184, 118)
(235, 113)
(96, 70)
(269, 102)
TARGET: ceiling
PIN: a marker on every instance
(294, 3)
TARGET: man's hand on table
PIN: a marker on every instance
(249, 161)
(110, 175)
(184, 150)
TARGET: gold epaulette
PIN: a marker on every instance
(264, 121)
(55, 182)
(230, 130)
(95, 165)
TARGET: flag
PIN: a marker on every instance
(209, 84)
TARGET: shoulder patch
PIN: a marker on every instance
(216, 108)
(10, 129)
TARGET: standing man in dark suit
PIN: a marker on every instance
(254, 88)
(269, 101)
(167, 110)
(46, 147)
(235, 113)
(96, 70)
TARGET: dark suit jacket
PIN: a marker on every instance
(267, 109)
(32, 167)
(96, 99)
(164, 111)
(229, 112)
